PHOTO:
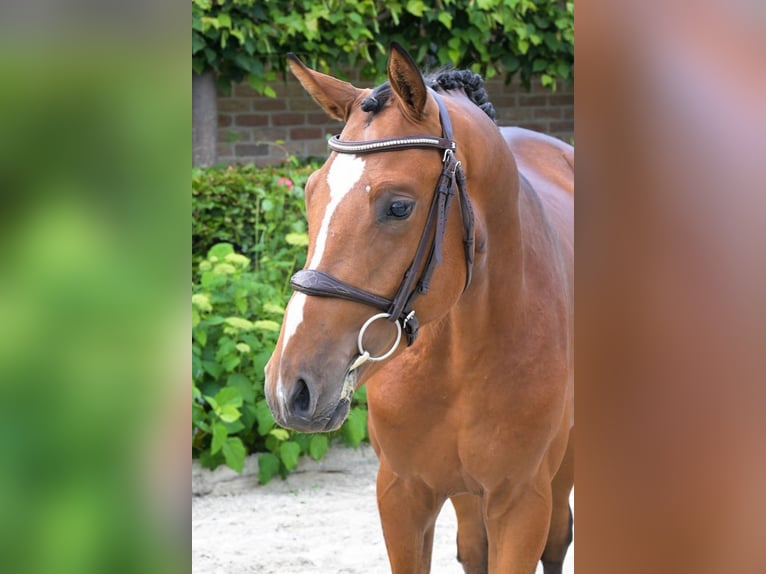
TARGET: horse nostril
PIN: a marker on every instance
(301, 401)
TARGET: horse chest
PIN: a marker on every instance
(446, 441)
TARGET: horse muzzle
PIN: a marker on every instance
(306, 403)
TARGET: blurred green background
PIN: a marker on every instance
(94, 175)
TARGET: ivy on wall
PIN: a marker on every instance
(249, 39)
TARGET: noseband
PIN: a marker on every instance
(399, 309)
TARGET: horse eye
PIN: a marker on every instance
(399, 209)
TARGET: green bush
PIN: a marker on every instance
(237, 308)
(258, 210)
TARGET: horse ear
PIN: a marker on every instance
(334, 95)
(407, 82)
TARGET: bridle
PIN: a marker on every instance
(399, 309)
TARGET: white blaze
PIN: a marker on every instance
(345, 172)
(293, 317)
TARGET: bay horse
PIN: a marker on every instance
(459, 321)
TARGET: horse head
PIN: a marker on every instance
(382, 243)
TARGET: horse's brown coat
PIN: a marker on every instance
(480, 408)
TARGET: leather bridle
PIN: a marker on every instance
(399, 309)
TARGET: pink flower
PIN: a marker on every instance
(287, 182)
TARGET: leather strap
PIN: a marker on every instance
(315, 282)
(389, 144)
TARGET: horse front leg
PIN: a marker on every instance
(561, 529)
(517, 519)
(408, 511)
(471, 533)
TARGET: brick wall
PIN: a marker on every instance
(249, 126)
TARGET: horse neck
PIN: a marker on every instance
(497, 289)
(496, 191)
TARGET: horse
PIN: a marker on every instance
(458, 321)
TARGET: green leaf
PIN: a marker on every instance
(268, 466)
(271, 443)
(446, 19)
(267, 325)
(210, 460)
(229, 396)
(289, 452)
(235, 427)
(260, 360)
(219, 437)
(273, 308)
(228, 413)
(354, 430)
(211, 401)
(197, 370)
(220, 250)
(207, 22)
(280, 434)
(199, 416)
(213, 368)
(238, 35)
(360, 395)
(231, 362)
(197, 43)
(264, 417)
(226, 347)
(416, 7)
(241, 303)
(243, 384)
(239, 323)
(303, 441)
(318, 446)
(234, 453)
(224, 20)
(299, 239)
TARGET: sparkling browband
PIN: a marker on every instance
(388, 144)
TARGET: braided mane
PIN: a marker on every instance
(442, 80)
(471, 84)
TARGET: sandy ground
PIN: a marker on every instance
(322, 519)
